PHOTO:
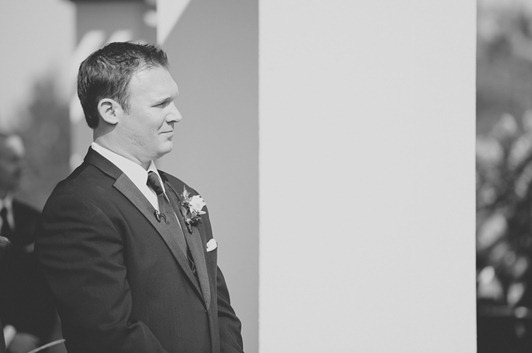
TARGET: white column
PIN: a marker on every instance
(367, 126)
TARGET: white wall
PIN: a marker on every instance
(367, 176)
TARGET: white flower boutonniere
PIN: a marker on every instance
(191, 208)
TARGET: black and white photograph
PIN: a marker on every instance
(264, 176)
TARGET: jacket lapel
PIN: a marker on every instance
(129, 190)
(133, 194)
(196, 244)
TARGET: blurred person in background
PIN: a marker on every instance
(2, 342)
(4, 245)
(26, 305)
(128, 249)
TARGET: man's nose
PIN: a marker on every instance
(174, 115)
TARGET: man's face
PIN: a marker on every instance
(11, 162)
(146, 130)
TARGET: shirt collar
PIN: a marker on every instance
(132, 170)
(7, 202)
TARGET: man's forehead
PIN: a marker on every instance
(152, 73)
(154, 80)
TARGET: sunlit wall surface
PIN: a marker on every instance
(367, 176)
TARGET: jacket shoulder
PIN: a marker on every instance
(85, 183)
(175, 182)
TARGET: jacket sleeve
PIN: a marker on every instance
(31, 305)
(230, 326)
(82, 258)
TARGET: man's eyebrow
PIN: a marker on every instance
(165, 98)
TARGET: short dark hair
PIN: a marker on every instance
(106, 74)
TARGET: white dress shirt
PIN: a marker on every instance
(135, 172)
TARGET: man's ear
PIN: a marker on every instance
(109, 110)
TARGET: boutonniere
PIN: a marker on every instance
(191, 208)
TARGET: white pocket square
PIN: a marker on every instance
(211, 245)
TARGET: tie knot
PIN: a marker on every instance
(154, 183)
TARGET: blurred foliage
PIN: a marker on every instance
(504, 176)
(45, 129)
(504, 236)
(504, 211)
(504, 64)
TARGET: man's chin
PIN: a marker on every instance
(167, 148)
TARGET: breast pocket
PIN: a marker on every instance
(211, 256)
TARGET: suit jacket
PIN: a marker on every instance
(25, 300)
(2, 342)
(121, 282)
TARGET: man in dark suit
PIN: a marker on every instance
(127, 249)
(25, 301)
(4, 243)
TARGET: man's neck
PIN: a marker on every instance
(120, 151)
